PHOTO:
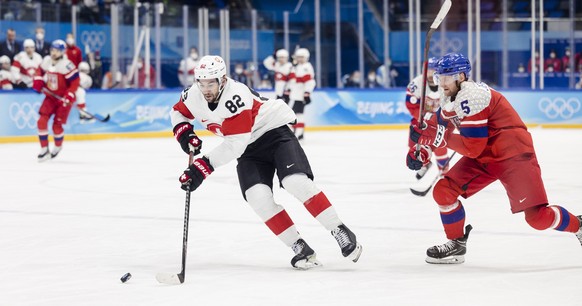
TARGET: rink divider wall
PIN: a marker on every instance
(145, 113)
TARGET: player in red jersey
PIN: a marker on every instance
(256, 133)
(58, 78)
(495, 145)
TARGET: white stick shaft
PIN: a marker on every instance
(442, 14)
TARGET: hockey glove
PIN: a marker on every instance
(435, 132)
(37, 84)
(286, 95)
(184, 134)
(196, 173)
(415, 162)
(306, 98)
(68, 99)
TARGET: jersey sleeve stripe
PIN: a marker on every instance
(303, 79)
(476, 122)
(475, 132)
(182, 109)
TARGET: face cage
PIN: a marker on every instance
(445, 79)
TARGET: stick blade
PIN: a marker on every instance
(420, 193)
(442, 14)
(170, 279)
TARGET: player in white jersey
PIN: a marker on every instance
(25, 64)
(432, 104)
(186, 68)
(256, 133)
(6, 77)
(85, 83)
(282, 68)
(301, 84)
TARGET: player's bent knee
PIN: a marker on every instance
(260, 198)
(42, 122)
(539, 217)
(300, 186)
(444, 193)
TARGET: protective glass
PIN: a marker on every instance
(445, 79)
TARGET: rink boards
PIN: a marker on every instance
(145, 113)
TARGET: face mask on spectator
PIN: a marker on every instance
(194, 55)
(39, 36)
(238, 70)
(70, 41)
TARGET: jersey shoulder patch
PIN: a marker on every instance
(471, 99)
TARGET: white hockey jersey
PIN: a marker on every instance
(282, 73)
(301, 80)
(85, 83)
(6, 79)
(414, 95)
(186, 71)
(24, 67)
(241, 117)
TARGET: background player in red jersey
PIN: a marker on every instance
(495, 145)
(58, 78)
(256, 133)
(431, 105)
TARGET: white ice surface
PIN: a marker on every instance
(71, 227)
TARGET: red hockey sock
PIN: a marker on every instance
(317, 204)
(453, 219)
(542, 217)
(279, 222)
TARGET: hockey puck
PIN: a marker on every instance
(125, 277)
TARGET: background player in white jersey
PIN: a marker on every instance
(58, 78)
(6, 78)
(186, 68)
(301, 85)
(282, 68)
(256, 133)
(85, 83)
(25, 64)
(432, 103)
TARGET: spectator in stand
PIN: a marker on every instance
(553, 64)
(5, 74)
(41, 46)
(10, 47)
(578, 62)
(25, 65)
(110, 82)
(73, 52)
(142, 75)
(371, 81)
(386, 78)
(566, 60)
(536, 63)
(239, 74)
(186, 68)
(354, 80)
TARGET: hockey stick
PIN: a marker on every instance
(176, 279)
(422, 193)
(435, 24)
(84, 112)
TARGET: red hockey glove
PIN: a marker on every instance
(68, 99)
(37, 85)
(435, 132)
(307, 98)
(286, 95)
(196, 173)
(415, 162)
(184, 134)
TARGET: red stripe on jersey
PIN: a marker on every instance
(243, 122)
(303, 79)
(291, 75)
(17, 64)
(281, 77)
(182, 109)
(279, 222)
(317, 204)
(4, 82)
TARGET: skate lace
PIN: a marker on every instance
(447, 247)
(341, 236)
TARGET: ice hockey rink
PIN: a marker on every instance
(71, 227)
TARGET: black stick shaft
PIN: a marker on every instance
(182, 275)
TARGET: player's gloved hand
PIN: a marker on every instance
(414, 161)
(196, 173)
(435, 131)
(68, 99)
(37, 85)
(286, 95)
(307, 98)
(184, 134)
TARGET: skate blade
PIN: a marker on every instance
(355, 255)
(306, 264)
(455, 259)
(44, 158)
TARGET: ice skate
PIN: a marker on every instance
(420, 173)
(56, 151)
(304, 256)
(579, 232)
(346, 240)
(452, 252)
(44, 154)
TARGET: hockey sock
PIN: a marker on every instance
(43, 138)
(453, 219)
(42, 125)
(59, 134)
(543, 217)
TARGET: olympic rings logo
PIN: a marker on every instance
(441, 47)
(559, 107)
(95, 40)
(24, 114)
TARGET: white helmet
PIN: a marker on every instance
(28, 43)
(84, 67)
(302, 52)
(282, 53)
(210, 67)
(4, 59)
